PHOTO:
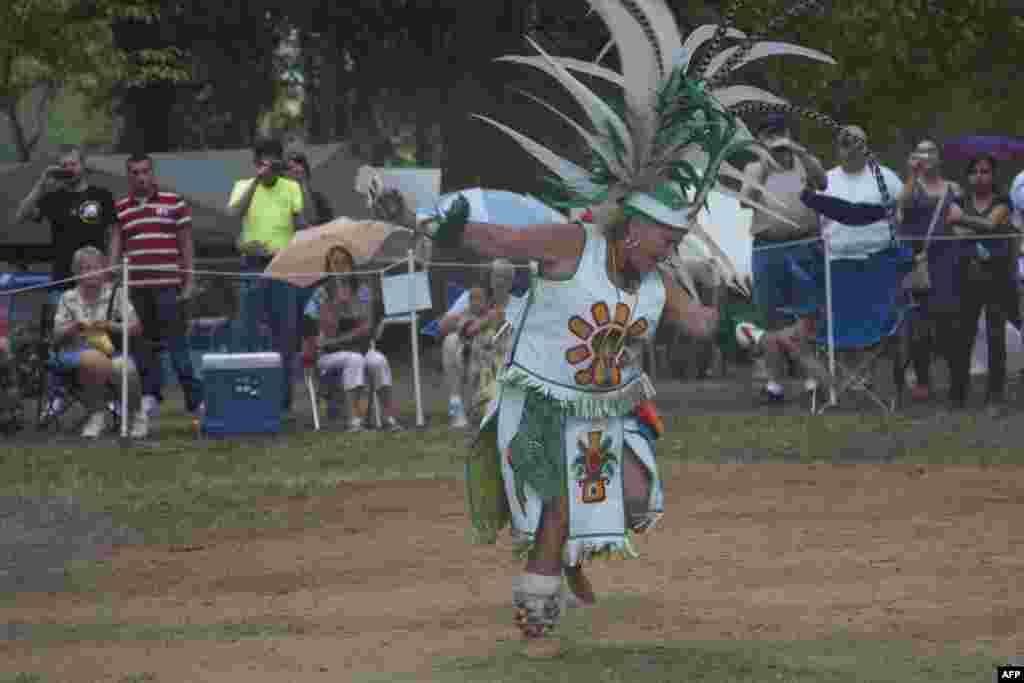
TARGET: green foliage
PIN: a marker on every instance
(904, 69)
(52, 44)
(838, 659)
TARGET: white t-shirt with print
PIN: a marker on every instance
(847, 241)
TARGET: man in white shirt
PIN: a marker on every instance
(461, 324)
(853, 181)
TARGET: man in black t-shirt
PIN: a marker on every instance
(80, 214)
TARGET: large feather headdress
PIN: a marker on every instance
(664, 147)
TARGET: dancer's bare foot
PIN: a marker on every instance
(581, 592)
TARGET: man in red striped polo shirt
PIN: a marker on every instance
(154, 228)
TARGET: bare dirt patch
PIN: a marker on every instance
(390, 583)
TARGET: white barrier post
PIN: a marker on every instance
(830, 322)
(415, 339)
(312, 396)
(124, 347)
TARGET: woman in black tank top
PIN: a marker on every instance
(986, 277)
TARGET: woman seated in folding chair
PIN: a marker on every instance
(341, 321)
(86, 318)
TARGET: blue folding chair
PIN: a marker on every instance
(870, 313)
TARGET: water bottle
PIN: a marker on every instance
(983, 253)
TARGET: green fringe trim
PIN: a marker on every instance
(608, 552)
(486, 502)
(615, 403)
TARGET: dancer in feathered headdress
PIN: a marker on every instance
(573, 421)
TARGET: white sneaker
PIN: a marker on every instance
(355, 426)
(95, 425)
(54, 409)
(140, 425)
(150, 405)
(457, 414)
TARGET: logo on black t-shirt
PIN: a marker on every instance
(89, 212)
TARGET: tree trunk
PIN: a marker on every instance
(18, 133)
(328, 83)
(312, 53)
(37, 101)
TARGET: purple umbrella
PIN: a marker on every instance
(968, 147)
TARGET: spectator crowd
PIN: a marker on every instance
(961, 228)
(957, 220)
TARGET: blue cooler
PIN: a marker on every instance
(243, 392)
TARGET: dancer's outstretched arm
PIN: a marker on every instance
(556, 247)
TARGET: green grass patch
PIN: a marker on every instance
(833, 661)
(839, 659)
(103, 631)
(178, 483)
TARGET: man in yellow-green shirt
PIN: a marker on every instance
(271, 209)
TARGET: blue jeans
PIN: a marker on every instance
(787, 276)
(162, 321)
(275, 303)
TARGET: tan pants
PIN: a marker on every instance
(454, 361)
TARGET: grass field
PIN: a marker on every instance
(239, 532)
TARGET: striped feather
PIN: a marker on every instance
(600, 114)
(641, 70)
(761, 50)
(576, 177)
(572, 64)
(757, 205)
(599, 146)
(703, 34)
(734, 94)
(662, 24)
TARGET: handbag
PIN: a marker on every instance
(919, 279)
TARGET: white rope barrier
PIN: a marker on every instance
(784, 245)
(899, 238)
(51, 285)
(415, 338)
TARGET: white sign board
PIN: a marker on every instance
(420, 187)
(401, 297)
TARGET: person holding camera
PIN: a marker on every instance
(80, 214)
(271, 208)
(775, 287)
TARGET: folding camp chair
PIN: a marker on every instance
(316, 390)
(871, 314)
(55, 400)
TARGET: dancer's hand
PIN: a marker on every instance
(446, 229)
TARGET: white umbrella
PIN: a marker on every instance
(497, 206)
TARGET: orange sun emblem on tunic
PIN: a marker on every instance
(603, 340)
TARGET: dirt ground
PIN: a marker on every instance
(390, 583)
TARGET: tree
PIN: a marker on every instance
(905, 70)
(46, 45)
